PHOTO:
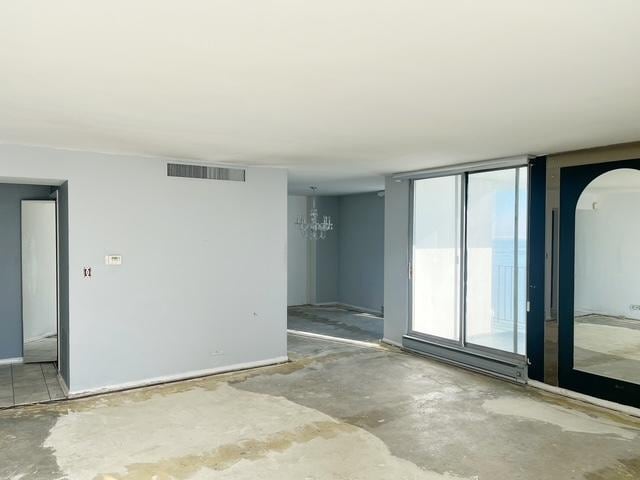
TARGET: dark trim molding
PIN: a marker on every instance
(536, 263)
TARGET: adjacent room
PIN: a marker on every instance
(336, 273)
(338, 240)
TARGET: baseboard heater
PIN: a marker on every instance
(514, 370)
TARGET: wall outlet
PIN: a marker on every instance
(634, 307)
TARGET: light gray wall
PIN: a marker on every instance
(361, 251)
(396, 260)
(10, 264)
(202, 286)
(327, 253)
(297, 252)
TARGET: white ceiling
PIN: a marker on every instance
(339, 92)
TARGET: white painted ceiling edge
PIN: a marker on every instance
(339, 92)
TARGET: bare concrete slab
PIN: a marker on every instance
(336, 411)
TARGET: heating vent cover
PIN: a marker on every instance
(200, 171)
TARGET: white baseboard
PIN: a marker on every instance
(174, 378)
(348, 307)
(585, 398)
(359, 343)
(9, 361)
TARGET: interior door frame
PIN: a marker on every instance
(573, 181)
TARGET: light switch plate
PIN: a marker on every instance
(113, 260)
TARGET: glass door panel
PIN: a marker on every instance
(521, 259)
(496, 259)
(436, 257)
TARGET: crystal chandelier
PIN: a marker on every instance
(313, 229)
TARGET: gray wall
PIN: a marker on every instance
(10, 264)
(327, 253)
(361, 251)
(180, 261)
(396, 260)
(349, 263)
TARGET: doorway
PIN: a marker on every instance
(29, 306)
(468, 269)
(599, 309)
(336, 283)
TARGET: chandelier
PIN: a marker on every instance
(313, 229)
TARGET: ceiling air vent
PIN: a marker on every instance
(209, 173)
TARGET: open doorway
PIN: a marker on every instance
(336, 283)
(29, 274)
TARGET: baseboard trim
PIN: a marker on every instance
(175, 378)
(63, 385)
(11, 361)
(359, 343)
(348, 306)
(618, 407)
(392, 342)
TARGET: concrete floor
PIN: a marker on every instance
(336, 411)
(336, 322)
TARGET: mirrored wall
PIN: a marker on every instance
(606, 290)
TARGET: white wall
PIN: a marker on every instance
(297, 253)
(607, 256)
(203, 280)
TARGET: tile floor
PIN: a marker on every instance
(22, 384)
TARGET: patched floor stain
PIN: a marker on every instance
(335, 412)
(228, 455)
(189, 432)
(567, 420)
(625, 468)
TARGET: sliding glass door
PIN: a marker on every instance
(436, 257)
(468, 265)
(496, 249)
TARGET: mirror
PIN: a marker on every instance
(39, 281)
(607, 277)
